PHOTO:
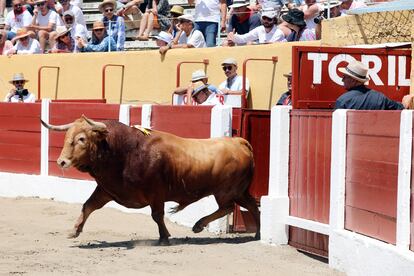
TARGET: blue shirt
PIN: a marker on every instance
(117, 30)
(102, 46)
(363, 98)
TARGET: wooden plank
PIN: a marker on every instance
(15, 137)
(135, 115)
(369, 123)
(20, 166)
(19, 152)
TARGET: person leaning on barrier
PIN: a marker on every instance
(19, 93)
(286, 98)
(202, 95)
(360, 97)
(162, 38)
(25, 44)
(198, 75)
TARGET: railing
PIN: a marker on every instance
(39, 82)
(274, 59)
(205, 62)
(104, 78)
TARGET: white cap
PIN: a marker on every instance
(270, 13)
(188, 17)
(229, 61)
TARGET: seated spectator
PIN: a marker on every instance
(335, 9)
(130, 9)
(76, 29)
(242, 20)
(155, 16)
(19, 94)
(78, 3)
(16, 19)
(348, 5)
(5, 45)
(43, 23)
(175, 12)
(100, 41)
(115, 25)
(311, 10)
(286, 98)
(64, 42)
(295, 21)
(267, 33)
(163, 38)
(202, 95)
(198, 75)
(77, 12)
(233, 85)
(192, 38)
(25, 44)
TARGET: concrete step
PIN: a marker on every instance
(140, 45)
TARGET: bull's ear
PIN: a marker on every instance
(94, 125)
(100, 133)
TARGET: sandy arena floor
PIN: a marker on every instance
(33, 242)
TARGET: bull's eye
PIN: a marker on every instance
(81, 140)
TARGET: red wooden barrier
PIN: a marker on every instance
(309, 175)
(412, 199)
(20, 138)
(372, 173)
(135, 115)
(63, 113)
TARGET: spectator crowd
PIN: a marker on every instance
(49, 26)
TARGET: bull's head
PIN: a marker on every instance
(81, 139)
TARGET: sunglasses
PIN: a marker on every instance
(109, 10)
(68, 19)
(98, 30)
(24, 38)
(227, 68)
(41, 4)
(18, 82)
(264, 18)
(18, 5)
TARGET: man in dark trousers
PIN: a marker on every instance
(360, 97)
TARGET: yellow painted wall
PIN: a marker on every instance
(148, 77)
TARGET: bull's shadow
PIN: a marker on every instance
(131, 244)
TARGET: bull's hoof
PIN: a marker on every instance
(197, 228)
(164, 242)
(73, 234)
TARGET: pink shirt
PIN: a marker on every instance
(6, 47)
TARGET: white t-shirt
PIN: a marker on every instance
(259, 33)
(43, 20)
(79, 30)
(310, 23)
(78, 3)
(17, 22)
(196, 39)
(235, 84)
(207, 10)
(213, 99)
(29, 98)
(32, 48)
(79, 18)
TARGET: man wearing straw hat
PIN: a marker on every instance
(360, 97)
(19, 93)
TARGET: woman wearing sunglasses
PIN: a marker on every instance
(115, 25)
(19, 93)
(64, 41)
(25, 44)
(100, 41)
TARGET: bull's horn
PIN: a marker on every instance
(97, 125)
(57, 128)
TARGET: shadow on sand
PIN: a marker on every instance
(130, 244)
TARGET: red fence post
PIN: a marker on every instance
(104, 77)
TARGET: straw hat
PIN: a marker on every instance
(356, 70)
(198, 75)
(198, 87)
(229, 61)
(21, 33)
(177, 10)
(61, 31)
(288, 75)
(107, 2)
(98, 25)
(18, 77)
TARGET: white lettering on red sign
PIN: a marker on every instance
(373, 62)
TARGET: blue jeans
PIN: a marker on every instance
(209, 30)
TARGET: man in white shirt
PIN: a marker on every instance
(208, 15)
(201, 94)
(78, 14)
(44, 23)
(193, 38)
(19, 93)
(16, 19)
(25, 44)
(233, 85)
(267, 33)
(76, 29)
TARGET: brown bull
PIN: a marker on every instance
(137, 168)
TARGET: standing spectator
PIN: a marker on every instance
(163, 39)
(25, 44)
(115, 25)
(19, 94)
(286, 98)
(16, 19)
(155, 16)
(76, 29)
(266, 33)
(348, 5)
(64, 42)
(202, 95)
(43, 23)
(311, 10)
(360, 97)
(294, 19)
(208, 15)
(233, 85)
(100, 42)
(5, 45)
(192, 38)
(78, 14)
(242, 21)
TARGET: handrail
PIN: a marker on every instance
(39, 79)
(104, 78)
(274, 59)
